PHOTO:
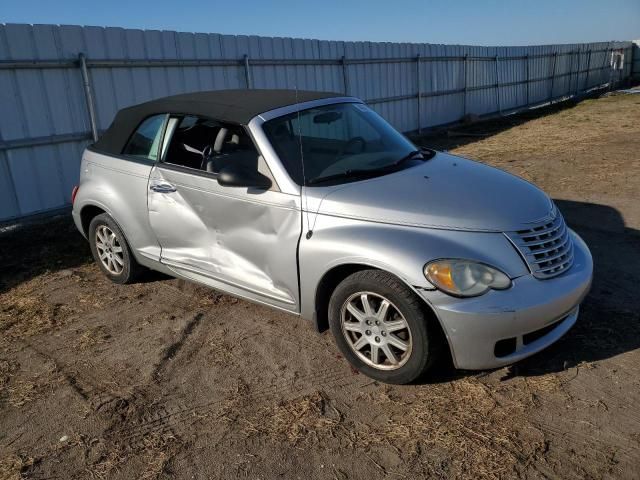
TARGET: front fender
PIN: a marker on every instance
(400, 250)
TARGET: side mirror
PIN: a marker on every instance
(239, 175)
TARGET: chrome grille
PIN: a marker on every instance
(547, 247)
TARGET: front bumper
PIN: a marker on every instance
(473, 326)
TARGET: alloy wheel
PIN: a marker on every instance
(109, 250)
(376, 331)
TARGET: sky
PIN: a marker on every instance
(468, 22)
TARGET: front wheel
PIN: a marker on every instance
(380, 326)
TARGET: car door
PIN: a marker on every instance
(237, 239)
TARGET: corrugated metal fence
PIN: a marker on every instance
(635, 67)
(59, 85)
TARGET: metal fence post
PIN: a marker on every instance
(586, 80)
(553, 75)
(88, 95)
(464, 98)
(578, 55)
(247, 72)
(604, 64)
(526, 59)
(570, 73)
(498, 86)
(419, 84)
(345, 77)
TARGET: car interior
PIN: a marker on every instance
(207, 145)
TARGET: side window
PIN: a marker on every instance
(145, 141)
(207, 145)
(190, 138)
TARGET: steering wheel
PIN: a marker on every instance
(207, 153)
(346, 148)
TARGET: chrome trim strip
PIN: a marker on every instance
(536, 233)
(296, 107)
(558, 246)
(518, 238)
(557, 254)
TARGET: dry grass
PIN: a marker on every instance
(25, 390)
(475, 436)
(220, 349)
(22, 392)
(8, 369)
(92, 338)
(25, 312)
(306, 419)
(525, 140)
(12, 466)
(479, 436)
(588, 140)
(153, 454)
(157, 453)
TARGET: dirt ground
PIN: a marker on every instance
(166, 379)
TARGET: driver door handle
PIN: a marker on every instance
(162, 188)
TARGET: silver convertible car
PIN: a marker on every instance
(311, 203)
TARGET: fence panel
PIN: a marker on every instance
(46, 121)
(635, 60)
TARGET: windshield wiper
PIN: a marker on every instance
(346, 174)
(406, 158)
(372, 172)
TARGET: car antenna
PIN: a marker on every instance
(303, 193)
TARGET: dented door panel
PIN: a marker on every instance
(246, 239)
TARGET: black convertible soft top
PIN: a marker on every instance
(232, 106)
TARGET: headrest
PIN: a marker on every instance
(222, 134)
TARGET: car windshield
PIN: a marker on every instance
(338, 143)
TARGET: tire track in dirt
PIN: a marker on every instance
(173, 349)
(177, 418)
(603, 443)
(102, 394)
(588, 441)
(180, 417)
(144, 409)
(587, 446)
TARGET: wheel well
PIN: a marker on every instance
(327, 285)
(87, 214)
(333, 277)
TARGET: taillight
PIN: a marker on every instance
(74, 192)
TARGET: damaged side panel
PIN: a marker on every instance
(241, 238)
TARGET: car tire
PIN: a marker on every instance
(111, 250)
(371, 338)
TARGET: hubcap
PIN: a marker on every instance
(376, 331)
(109, 250)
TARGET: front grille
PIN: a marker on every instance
(547, 247)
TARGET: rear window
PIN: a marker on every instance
(145, 141)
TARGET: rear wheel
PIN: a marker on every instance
(111, 251)
(380, 326)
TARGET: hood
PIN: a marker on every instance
(444, 192)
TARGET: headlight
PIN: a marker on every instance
(464, 278)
